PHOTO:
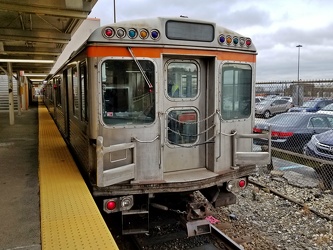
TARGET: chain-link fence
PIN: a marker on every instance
(300, 116)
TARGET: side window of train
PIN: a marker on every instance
(128, 94)
(182, 79)
(236, 91)
(75, 92)
(83, 90)
(57, 87)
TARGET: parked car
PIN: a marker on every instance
(327, 109)
(270, 107)
(321, 146)
(292, 131)
(312, 105)
(288, 98)
(259, 99)
(271, 96)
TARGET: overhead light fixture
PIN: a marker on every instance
(26, 61)
(36, 80)
(35, 74)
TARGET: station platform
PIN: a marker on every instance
(45, 203)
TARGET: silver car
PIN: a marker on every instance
(270, 107)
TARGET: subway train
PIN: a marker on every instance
(157, 109)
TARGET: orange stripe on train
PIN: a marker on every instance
(101, 51)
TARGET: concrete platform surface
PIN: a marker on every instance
(19, 186)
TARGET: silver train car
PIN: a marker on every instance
(158, 108)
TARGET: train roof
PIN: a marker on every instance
(173, 31)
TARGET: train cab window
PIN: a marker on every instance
(182, 126)
(128, 95)
(182, 79)
(236, 91)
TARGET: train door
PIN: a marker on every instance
(185, 112)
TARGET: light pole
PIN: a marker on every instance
(114, 11)
(299, 55)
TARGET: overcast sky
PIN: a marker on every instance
(275, 27)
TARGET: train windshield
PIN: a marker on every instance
(127, 98)
(236, 91)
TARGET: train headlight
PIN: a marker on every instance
(230, 186)
(126, 202)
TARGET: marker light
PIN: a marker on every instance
(144, 34)
(221, 39)
(242, 183)
(235, 40)
(229, 39)
(241, 41)
(121, 33)
(108, 32)
(110, 205)
(155, 34)
(132, 33)
(236, 185)
(248, 42)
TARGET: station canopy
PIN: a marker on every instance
(33, 33)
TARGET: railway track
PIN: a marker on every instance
(167, 231)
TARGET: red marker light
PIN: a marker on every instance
(242, 183)
(248, 42)
(108, 32)
(111, 205)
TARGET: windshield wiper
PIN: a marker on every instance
(140, 68)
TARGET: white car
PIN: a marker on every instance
(327, 109)
(270, 107)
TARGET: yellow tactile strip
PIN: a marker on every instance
(70, 218)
